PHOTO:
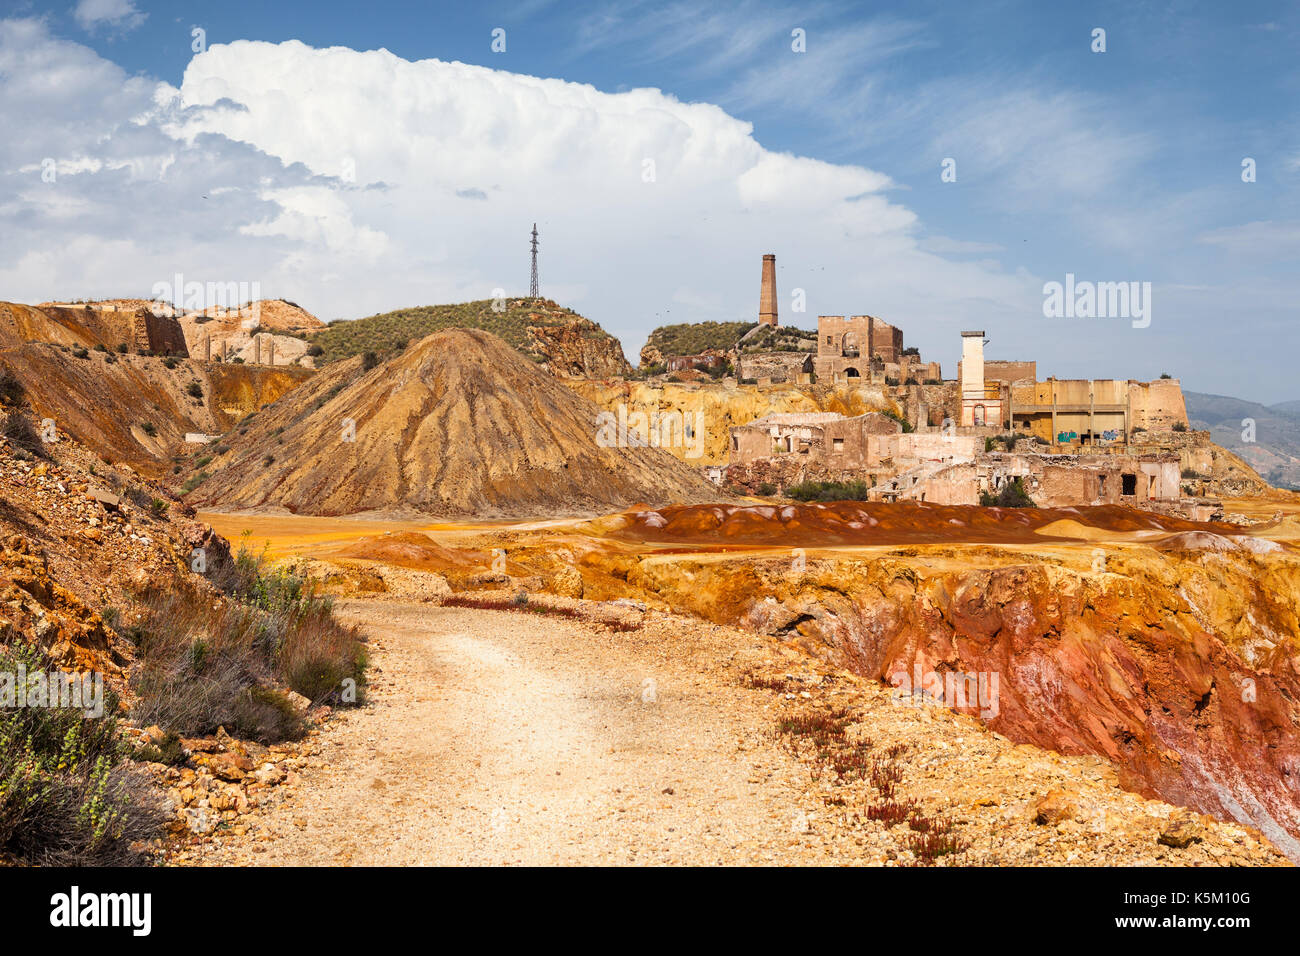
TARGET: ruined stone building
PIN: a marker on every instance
(1052, 481)
(845, 347)
(1007, 396)
(1095, 412)
(786, 449)
(827, 436)
(981, 401)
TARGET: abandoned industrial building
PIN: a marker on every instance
(1076, 441)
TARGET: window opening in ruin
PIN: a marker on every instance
(1128, 484)
(837, 444)
(852, 373)
(979, 414)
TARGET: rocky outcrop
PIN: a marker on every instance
(579, 349)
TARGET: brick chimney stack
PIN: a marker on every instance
(767, 294)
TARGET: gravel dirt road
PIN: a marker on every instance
(511, 738)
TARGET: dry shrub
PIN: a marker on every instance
(206, 663)
(319, 656)
(195, 660)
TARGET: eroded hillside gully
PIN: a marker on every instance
(1166, 646)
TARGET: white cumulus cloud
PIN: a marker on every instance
(354, 182)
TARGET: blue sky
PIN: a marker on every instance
(1115, 166)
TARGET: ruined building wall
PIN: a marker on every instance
(884, 340)
(777, 366)
(1157, 405)
(1011, 372)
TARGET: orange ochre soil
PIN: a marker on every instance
(724, 527)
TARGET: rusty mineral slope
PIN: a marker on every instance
(1178, 658)
(457, 424)
(137, 409)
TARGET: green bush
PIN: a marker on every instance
(828, 491)
(193, 481)
(315, 654)
(201, 666)
(263, 713)
(168, 750)
(898, 417)
(1012, 495)
(68, 794)
(194, 389)
(767, 489)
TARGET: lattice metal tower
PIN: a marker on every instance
(532, 285)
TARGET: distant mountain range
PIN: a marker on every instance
(1275, 451)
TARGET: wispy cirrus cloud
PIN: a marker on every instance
(120, 15)
(1262, 239)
